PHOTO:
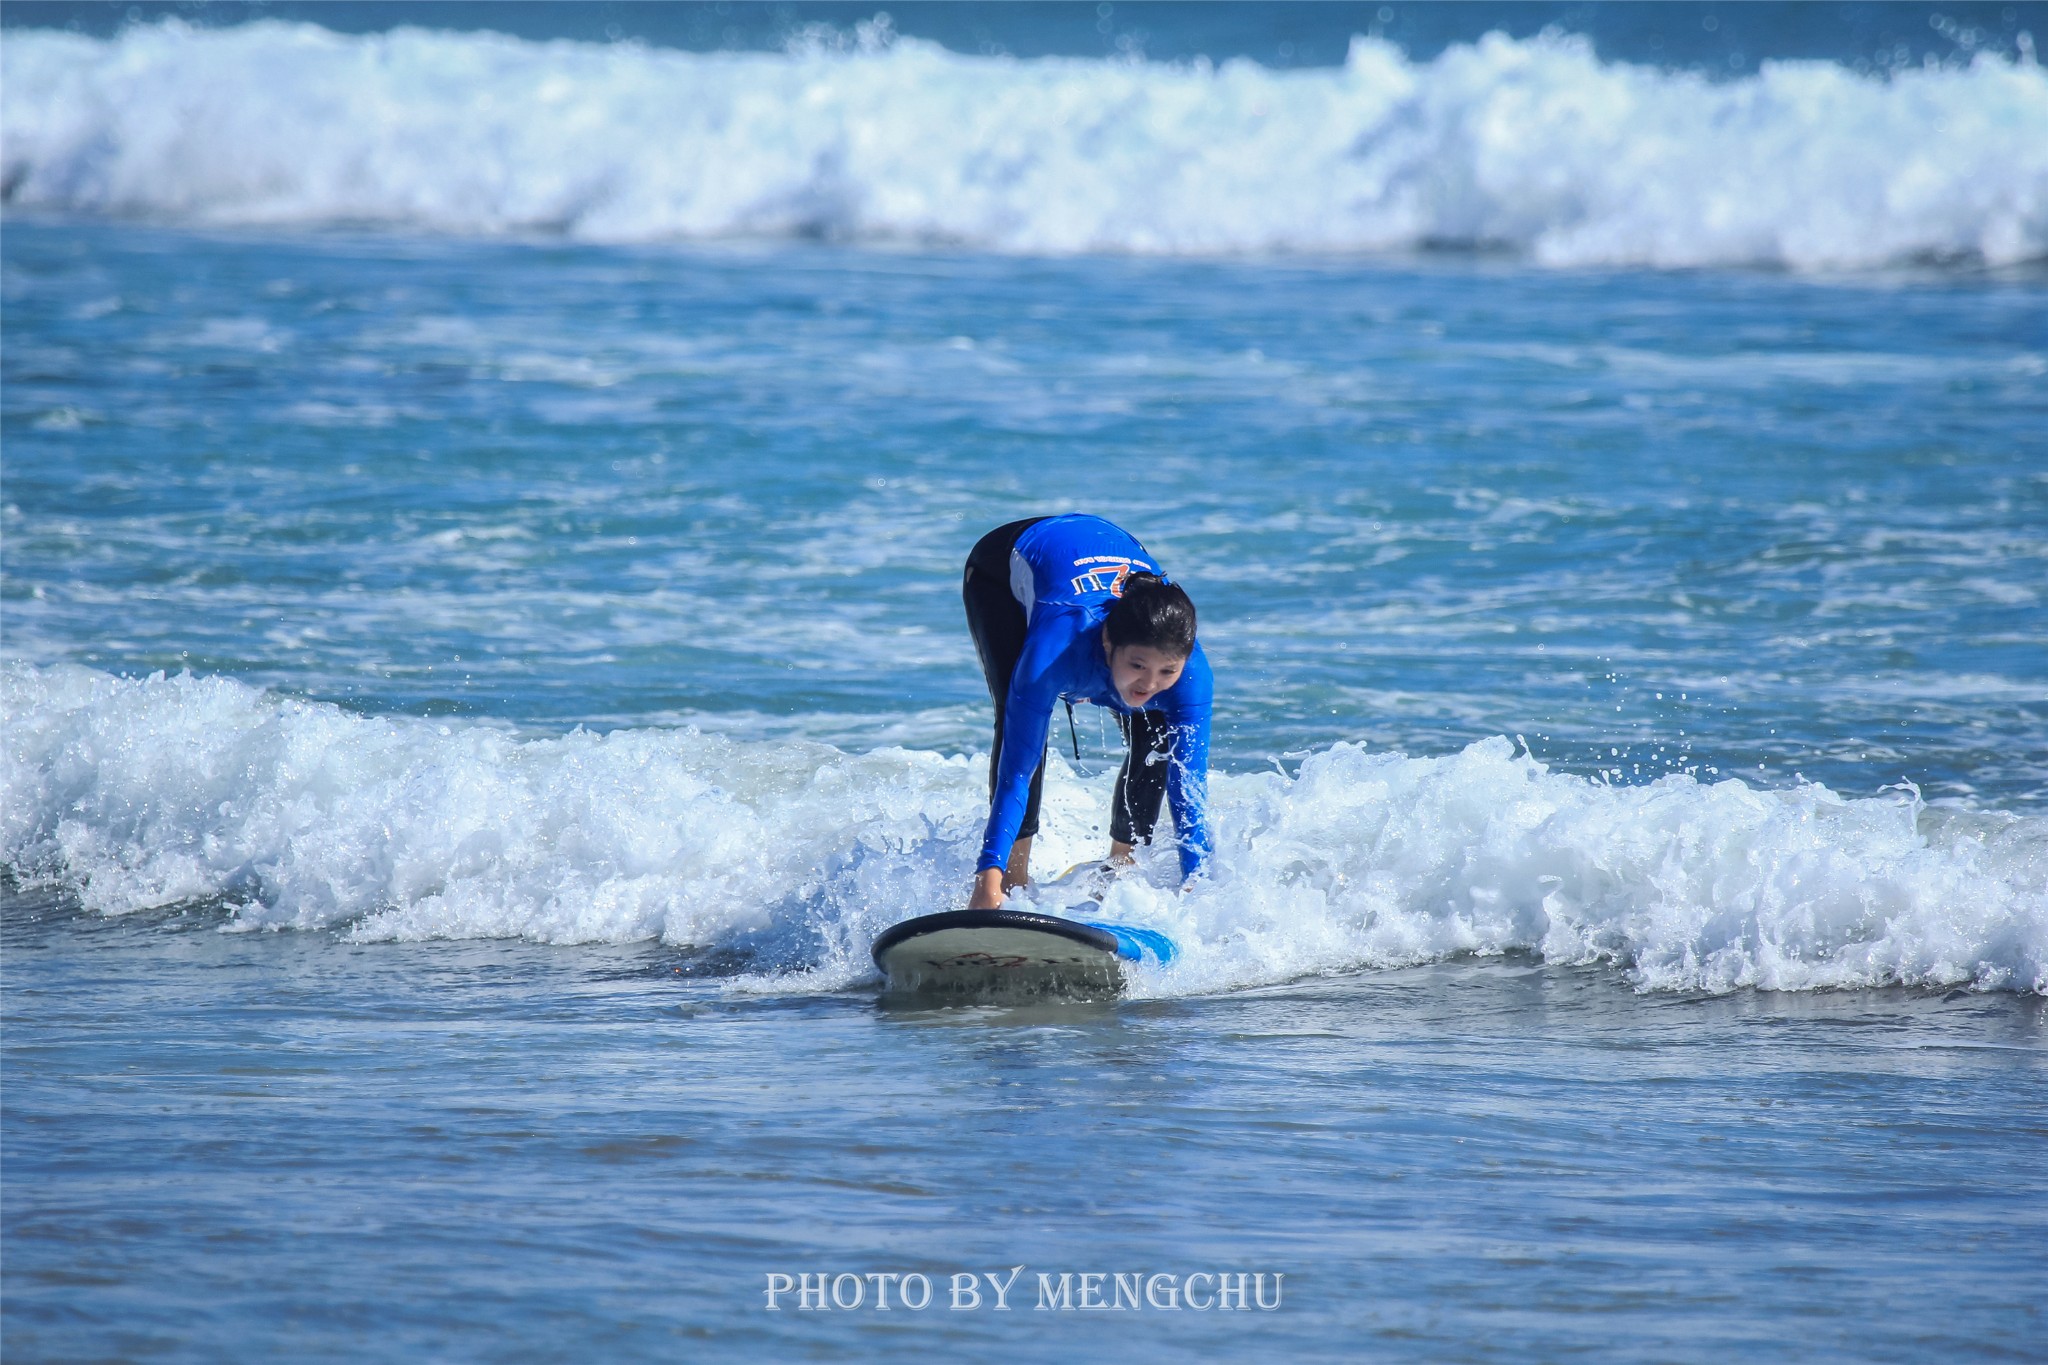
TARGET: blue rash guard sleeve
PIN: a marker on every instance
(1186, 708)
(1027, 717)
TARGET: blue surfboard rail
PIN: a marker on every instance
(1134, 944)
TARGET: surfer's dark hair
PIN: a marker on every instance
(1154, 613)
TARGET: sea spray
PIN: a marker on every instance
(141, 793)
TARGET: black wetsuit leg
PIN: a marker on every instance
(995, 618)
(1141, 786)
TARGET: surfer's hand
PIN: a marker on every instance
(988, 890)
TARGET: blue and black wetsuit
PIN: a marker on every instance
(1037, 592)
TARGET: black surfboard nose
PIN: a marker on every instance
(998, 952)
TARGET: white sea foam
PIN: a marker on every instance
(1533, 145)
(144, 793)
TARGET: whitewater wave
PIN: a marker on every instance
(1535, 146)
(142, 793)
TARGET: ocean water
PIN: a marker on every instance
(481, 659)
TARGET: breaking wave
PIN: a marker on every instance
(1535, 146)
(134, 794)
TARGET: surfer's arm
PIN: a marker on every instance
(1186, 710)
(1027, 716)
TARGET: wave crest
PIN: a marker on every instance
(136, 794)
(1535, 145)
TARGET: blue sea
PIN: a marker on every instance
(481, 659)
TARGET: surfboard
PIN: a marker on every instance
(1014, 952)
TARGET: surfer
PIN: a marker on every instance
(1072, 608)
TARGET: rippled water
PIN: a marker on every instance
(377, 1151)
(1747, 519)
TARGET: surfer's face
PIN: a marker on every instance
(1141, 673)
